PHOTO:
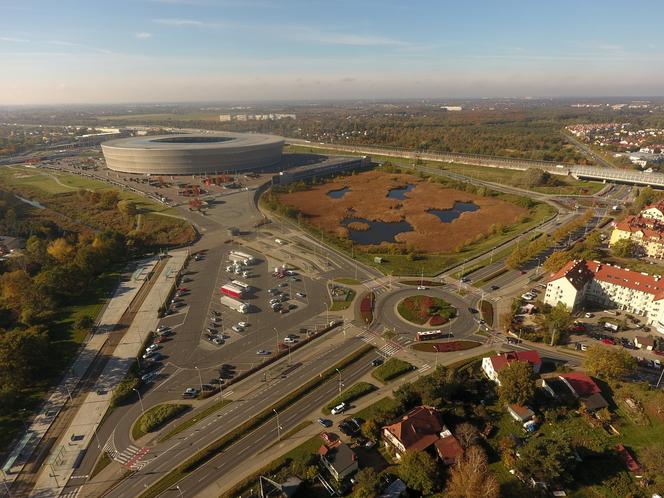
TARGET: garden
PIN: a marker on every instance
(426, 310)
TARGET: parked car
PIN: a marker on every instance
(218, 341)
(340, 408)
(608, 341)
(243, 324)
(190, 392)
(300, 294)
(325, 422)
(237, 328)
(263, 352)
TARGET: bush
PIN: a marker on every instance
(392, 369)
(156, 417)
(125, 389)
(349, 395)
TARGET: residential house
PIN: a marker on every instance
(608, 286)
(585, 390)
(448, 448)
(418, 430)
(647, 343)
(520, 413)
(492, 365)
(339, 459)
(654, 211)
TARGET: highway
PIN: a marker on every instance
(166, 455)
(254, 443)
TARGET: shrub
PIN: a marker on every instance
(392, 369)
(156, 417)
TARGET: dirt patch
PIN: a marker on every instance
(368, 199)
(358, 225)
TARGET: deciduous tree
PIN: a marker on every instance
(471, 478)
(419, 471)
(546, 459)
(516, 383)
(367, 484)
(60, 250)
(609, 363)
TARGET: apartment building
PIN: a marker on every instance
(647, 231)
(592, 282)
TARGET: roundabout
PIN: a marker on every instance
(425, 310)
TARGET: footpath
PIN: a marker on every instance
(115, 308)
(81, 431)
(252, 464)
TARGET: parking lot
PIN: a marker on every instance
(198, 316)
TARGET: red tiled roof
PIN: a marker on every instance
(658, 205)
(500, 361)
(582, 385)
(576, 271)
(418, 429)
(650, 228)
(448, 448)
(579, 272)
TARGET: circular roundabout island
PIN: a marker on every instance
(425, 311)
(192, 153)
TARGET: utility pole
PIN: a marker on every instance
(278, 425)
(340, 384)
(140, 400)
(200, 377)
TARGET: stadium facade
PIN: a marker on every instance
(192, 153)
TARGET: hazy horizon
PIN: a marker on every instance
(187, 51)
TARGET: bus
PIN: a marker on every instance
(427, 335)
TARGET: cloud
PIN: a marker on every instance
(182, 23)
(11, 39)
(143, 35)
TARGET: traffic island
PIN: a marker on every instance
(157, 417)
(444, 347)
(425, 310)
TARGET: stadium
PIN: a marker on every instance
(192, 153)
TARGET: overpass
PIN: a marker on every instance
(595, 173)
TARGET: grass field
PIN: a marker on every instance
(156, 417)
(422, 309)
(354, 392)
(391, 369)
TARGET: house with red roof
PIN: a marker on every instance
(585, 390)
(654, 211)
(608, 286)
(421, 429)
(492, 365)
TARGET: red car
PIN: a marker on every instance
(328, 438)
(610, 342)
(183, 289)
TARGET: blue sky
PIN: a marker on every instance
(222, 50)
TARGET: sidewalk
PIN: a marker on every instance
(116, 307)
(82, 429)
(253, 465)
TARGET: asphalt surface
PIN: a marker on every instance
(165, 456)
(267, 434)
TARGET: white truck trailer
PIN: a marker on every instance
(234, 304)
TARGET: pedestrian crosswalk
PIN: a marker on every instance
(70, 493)
(131, 457)
(424, 368)
(389, 349)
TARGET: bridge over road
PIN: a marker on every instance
(596, 173)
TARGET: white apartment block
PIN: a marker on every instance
(610, 287)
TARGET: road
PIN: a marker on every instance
(266, 435)
(166, 455)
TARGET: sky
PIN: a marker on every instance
(125, 51)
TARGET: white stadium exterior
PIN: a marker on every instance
(192, 153)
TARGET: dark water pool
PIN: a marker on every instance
(338, 194)
(379, 231)
(449, 215)
(400, 193)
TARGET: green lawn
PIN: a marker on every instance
(156, 417)
(391, 369)
(383, 405)
(349, 395)
(411, 309)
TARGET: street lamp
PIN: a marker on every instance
(278, 426)
(327, 313)
(179, 491)
(340, 384)
(276, 336)
(140, 399)
(200, 377)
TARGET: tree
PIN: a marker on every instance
(108, 199)
(610, 363)
(506, 320)
(471, 478)
(418, 470)
(127, 207)
(556, 261)
(467, 434)
(516, 383)
(60, 250)
(555, 321)
(624, 248)
(367, 484)
(23, 354)
(370, 428)
(545, 459)
(652, 459)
